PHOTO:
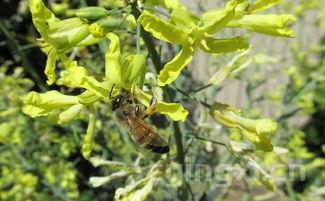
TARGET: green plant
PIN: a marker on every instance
(93, 48)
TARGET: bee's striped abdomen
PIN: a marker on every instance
(157, 149)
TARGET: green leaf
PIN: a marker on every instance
(42, 104)
(274, 25)
(212, 45)
(163, 30)
(172, 69)
(88, 142)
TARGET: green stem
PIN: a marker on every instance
(57, 192)
(138, 37)
(157, 64)
(287, 115)
(202, 88)
(190, 96)
(147, 39)
(12, 43)
(290, 190)
(179, 144)
(208, 140)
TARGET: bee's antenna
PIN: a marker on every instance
(110, 93)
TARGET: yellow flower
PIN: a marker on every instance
(256, 131)
(193, 32)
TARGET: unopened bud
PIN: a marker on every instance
(92, 12)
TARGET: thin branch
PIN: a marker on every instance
(201, 88)
(287, 115)
(12, 43)
(208, 140)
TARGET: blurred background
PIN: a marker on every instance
(282, 79)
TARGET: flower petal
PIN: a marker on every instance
(142, 188)
(70, 113)
(213, 45)
(215, 19)
(254, 130)
(50, 66)
(261, 141)
(41, 16)
(163, 30)
(42, 104)
(173, 68)
(112, 60)
(61, 34)
(133, 67)
(76, 77)
(99, 181)
(227, 69)
(274, 25)
(175, 111)
(185, 20)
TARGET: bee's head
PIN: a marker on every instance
(117, 102)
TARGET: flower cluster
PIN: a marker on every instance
(123, 70)
(126, 70)
(194, 32)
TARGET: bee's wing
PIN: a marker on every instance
(146, 136)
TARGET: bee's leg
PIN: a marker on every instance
(151, 109)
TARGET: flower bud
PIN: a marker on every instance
(100, 28)
(92, 12)
(255, 130)
(65, 34)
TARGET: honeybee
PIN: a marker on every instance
(129, 114)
